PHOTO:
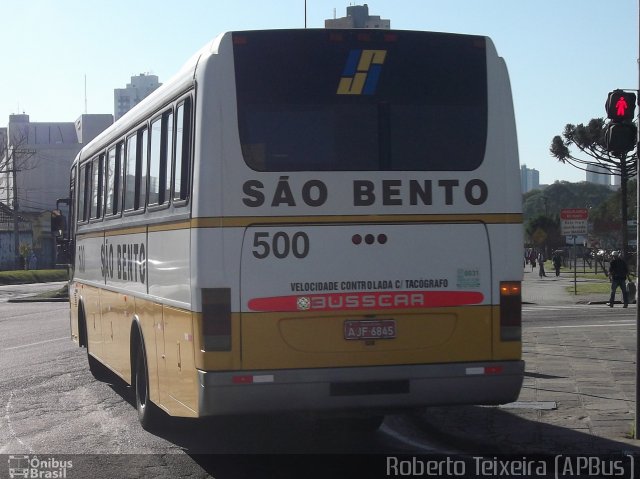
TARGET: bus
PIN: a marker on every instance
(310, 220)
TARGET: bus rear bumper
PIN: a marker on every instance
(359, 388)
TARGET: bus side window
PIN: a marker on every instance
(73, 195)
(141, 168)
(96, 187)
(119, 178)
(167, 153)
(183, 151)
(84, 192)
(113, 181)
(130, 173)
(80, 193)
(155, 167)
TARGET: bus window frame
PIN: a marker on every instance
(138, 208)
(99, 160)
(167, 114)
(164, 160)
(142, 165)
(187, 159)
(73, 189)
(118, 148)
(84, 188)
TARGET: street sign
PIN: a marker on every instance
(573, 221)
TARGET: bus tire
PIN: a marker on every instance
(148, 413)
(97, 370)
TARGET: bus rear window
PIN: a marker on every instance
(336, 100)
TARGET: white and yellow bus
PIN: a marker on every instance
(307, 220)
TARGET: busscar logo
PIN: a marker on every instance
(361, 72)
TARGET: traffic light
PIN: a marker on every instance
(621, 105)
(620, 134)
(620, 138)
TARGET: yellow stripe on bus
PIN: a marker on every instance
(243, 221)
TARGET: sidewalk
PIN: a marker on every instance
(578, 394)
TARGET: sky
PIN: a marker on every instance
(563, 56)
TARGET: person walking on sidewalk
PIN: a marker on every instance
(618, 273)
(557, 262)
(541, 272)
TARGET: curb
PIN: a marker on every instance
(38, 300)
(607, 302)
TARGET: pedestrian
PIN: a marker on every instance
(532, 260)
(557, 262)
(618, 273)
(541, 272)
(33, 261)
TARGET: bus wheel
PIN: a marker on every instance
(148, 413)
(98, 371)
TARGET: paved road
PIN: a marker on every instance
(50, 403)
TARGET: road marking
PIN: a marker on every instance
(34, 344)
(12, 432)
(608, 325)
(539, 307)
(538, 405)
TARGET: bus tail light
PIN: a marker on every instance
(216, 319)
(510, 311)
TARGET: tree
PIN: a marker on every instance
(544, 232)
(590, 140)
(606, 220)
(14, 157)
(563, 194)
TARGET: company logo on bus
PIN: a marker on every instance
(368, 300)
(361, 72)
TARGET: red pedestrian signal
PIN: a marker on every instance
(621, 105)
(620, 135)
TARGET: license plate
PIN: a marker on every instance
(369, 329)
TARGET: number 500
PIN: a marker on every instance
(280, 245)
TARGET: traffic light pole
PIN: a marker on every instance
(636, 428)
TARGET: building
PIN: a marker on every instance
(126, 98)
(35, 162)
(529, 179)
(599, 175)
(358, 17)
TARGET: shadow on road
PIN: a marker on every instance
(490, 430)
(294, 445)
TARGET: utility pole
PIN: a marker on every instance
(16, 220)
(637, 418)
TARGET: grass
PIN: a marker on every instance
(595, 284)
(33, 276)
(591, 288)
